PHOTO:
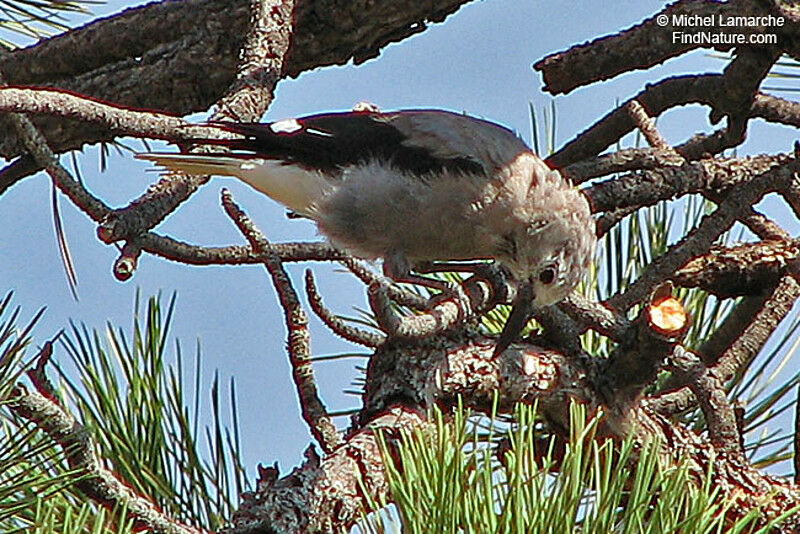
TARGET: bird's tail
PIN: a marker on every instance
(195, 163)
(297, 188)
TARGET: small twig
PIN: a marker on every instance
(710, 393)
(656, 98)
(699, 239)
(759, 224)
(438, 318)
(38, 376)
(175, 250)
(334, 322)
(37, 146)
(618, 198)
(609, 219)
(126, 263)
(595, 315)
(704, 145)
(393, 291)
(314, 412)
(559, 329)
(626, 159)
(691, 245)
(647, 126)
(143, 213)
(764, 227)
(733, 326)
(481, 292)
(15, 171)
(120, 120)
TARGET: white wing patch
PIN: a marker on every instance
(364, 106)
(319, 132)
(287, 126)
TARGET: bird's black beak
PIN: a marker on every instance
(520, 312)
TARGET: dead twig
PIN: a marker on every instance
(335, 323)
(314, 412)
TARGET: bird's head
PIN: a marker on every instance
(553, 257)
(551, 239)
(549, 250)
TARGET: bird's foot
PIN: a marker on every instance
(399, 269)
(453, 291)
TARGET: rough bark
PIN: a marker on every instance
(181, 56)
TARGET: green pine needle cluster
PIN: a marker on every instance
(449, 479)
(142, 413)
(36, 19)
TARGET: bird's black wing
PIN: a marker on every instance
(331, 141)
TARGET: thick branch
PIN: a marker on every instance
(642, 46)
(648, 187)
(181, 57)
(263, 61)
(745, 269)
(325, 495)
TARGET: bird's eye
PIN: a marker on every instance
(548, 275)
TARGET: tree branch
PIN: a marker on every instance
(314, 412)
(336, 324)
(701, 238)
(96, 481)
(181, 57)
(644, 45)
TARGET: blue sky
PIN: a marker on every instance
(479, 61)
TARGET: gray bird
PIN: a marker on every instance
(417, 186)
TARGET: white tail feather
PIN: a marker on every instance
(296, 188)
(195, 164)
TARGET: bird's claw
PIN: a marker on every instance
(453, 291)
